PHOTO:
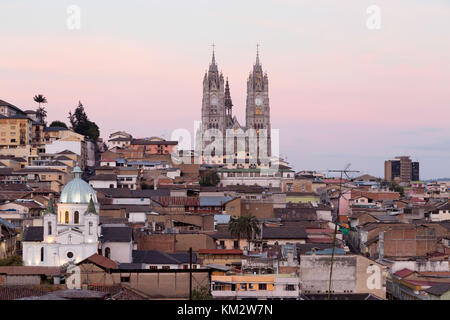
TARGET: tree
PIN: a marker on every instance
(58, 124)
(15, 260)
(209, 179)
(41, 113)
(244, 227)
(201, 293)
(81, 123)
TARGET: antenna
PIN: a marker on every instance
(342, 172)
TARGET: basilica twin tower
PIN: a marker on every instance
(217, 108)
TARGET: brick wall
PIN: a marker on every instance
(160, 242)
(409, 241)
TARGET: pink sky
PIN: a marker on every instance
(340, 93)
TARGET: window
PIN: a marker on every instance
(243, 286)
(70, 255)
(107, 252)
(49, 228)
(153, 267)
(236, 244)
(262, 286)
(66, 217)
(42, 254)
(165, 267)
(290, 287)
(90, 227)
(76, 217)
(125, 279)
(218, 287)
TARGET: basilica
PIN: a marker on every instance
(218, 119)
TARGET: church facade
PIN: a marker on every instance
(69, 234)
(247, 144)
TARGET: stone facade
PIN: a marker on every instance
(217, 114)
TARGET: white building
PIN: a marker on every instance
(441, 214)
(69, 234)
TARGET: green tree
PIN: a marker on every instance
(209, 179)
(244, 227)
(201, 293)
(15, 260)
(81, 124)
(41, 113)
(59, 124)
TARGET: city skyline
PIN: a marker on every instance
(355, 96)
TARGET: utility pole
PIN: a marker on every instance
(345, 171)
(190, 273)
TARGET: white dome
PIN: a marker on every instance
(77, 190)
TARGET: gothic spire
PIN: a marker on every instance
(228, 102)
(50, 207)
(213, 65)
(257, 54)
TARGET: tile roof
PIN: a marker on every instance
(53, 129)
(148, 142)
(117, 234)
(158, 257)
(71, 294)
(403, 273)
(33, 234)
(285, 232)
(438, 289)
(178, 201)
(100, 261)
(377, 196)
(220, 251)
(66, 152)
(17, 292)
(103, 177)
(128, 193)
(30, 270)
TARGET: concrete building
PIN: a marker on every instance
(351, 273)
(259, 287)
(401, 169)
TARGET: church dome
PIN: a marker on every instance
(77, 190)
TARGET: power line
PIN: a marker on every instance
(344, 171)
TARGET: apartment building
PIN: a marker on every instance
(401, 169)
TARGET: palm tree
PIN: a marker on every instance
(245, 226)
(39, 98)
(41, 114)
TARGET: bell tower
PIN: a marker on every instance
(214, 112)
(258, 107)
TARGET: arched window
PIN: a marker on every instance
(107, 252)
(90, 227)
(49, 228)
(76, 217)
(66, 217)
(42, 254)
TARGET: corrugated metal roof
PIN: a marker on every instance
(214, 201)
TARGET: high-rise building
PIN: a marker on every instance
(401, 169)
